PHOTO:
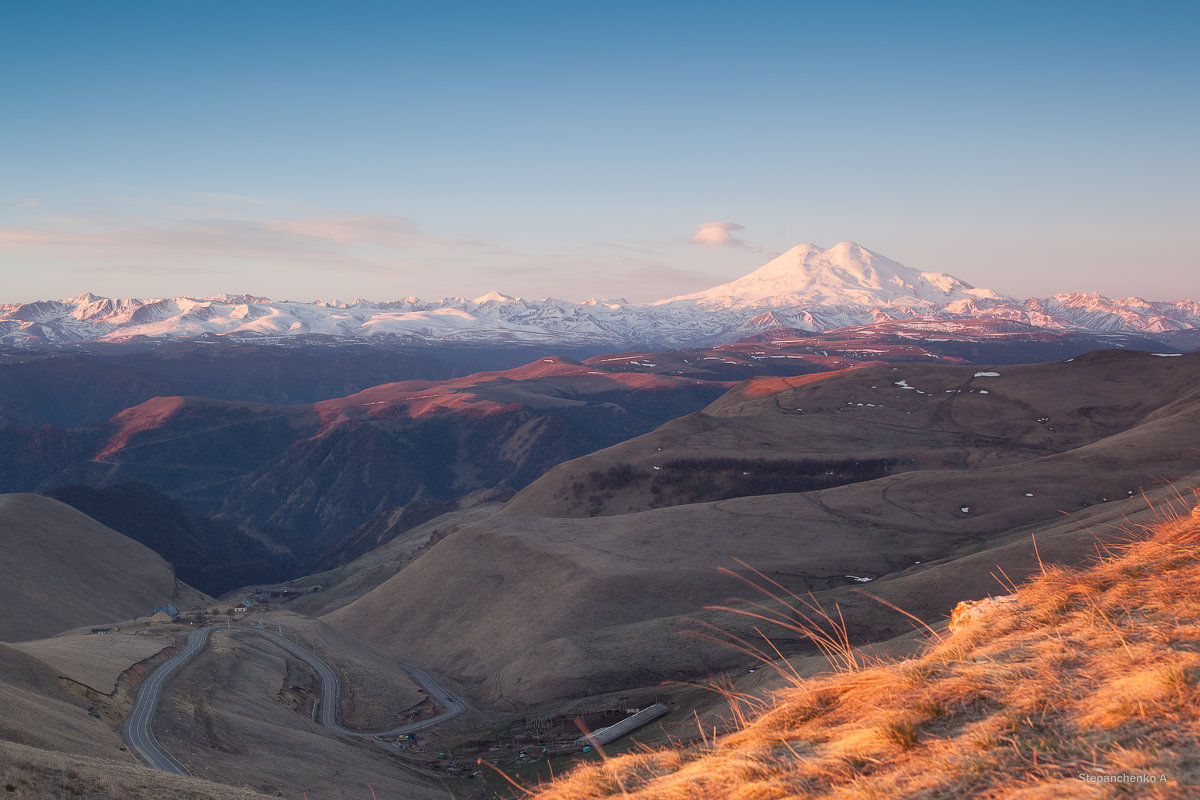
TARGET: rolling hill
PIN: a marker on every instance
(558, 595)
(1077, 683)
(63, 569)
(912, 416)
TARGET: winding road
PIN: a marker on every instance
(138, 730)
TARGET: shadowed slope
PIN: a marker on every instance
(63, 570)
(307, 475)
(212, 555)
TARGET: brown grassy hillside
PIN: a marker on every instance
(33, 774)
(1084, 684)
(773, 435)
(55, 740)
(62, 569)
(240, 713)
(532, 607)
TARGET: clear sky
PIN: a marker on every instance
(332, 150)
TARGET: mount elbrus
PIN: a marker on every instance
(806, 288)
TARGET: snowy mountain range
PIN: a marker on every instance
(805, 288)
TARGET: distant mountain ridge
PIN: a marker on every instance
(303, 476)
(807, 287)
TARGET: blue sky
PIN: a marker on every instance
(308, 150)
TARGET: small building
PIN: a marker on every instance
(241, 608)
(170, 610)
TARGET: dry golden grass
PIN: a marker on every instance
(29, 772)
(97, 661)
(1085, 685)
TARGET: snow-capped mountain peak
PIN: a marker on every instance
(493, 297)
(807, 287)
(845, 274)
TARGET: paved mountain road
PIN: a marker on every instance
(331, 688)
(138, 730)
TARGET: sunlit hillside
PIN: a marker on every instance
(1081, 684)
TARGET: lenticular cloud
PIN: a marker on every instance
(715, 234)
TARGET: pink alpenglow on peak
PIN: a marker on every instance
(807, 288)
(846, 274)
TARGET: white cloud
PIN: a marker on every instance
(717, 234)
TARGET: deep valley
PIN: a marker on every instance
(546, 535)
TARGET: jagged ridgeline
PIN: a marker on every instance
(807, 287)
